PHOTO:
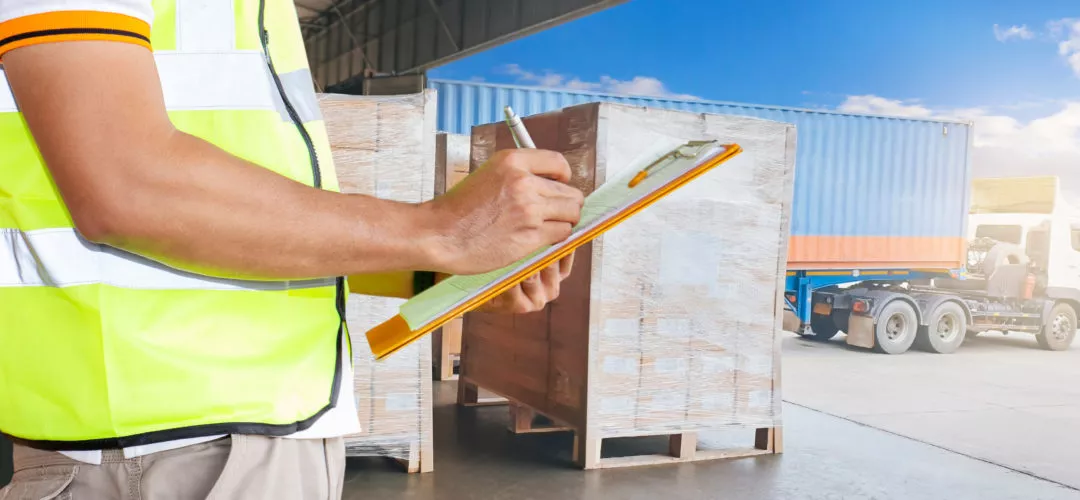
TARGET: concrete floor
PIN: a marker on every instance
(999, 398)
(825, 458)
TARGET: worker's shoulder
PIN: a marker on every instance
(30, 22)
(87, 11)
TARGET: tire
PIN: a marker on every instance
(895, 328)
(1060, 330)
(821, 329)
(945, 331)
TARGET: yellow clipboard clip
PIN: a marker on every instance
(667, 159)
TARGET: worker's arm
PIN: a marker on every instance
(131, 180)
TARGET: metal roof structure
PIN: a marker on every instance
(348, 40)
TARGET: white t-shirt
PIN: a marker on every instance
(15, 20)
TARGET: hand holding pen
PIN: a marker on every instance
(514, 204)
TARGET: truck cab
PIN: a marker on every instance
(1030, 214)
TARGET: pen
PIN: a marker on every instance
(517, 128)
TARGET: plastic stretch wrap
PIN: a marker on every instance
(671, 321)
(385, 147)
(686, 295)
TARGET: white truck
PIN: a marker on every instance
(1022, 275)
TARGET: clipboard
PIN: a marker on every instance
(641, 188)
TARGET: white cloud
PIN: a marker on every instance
(1006, 34)
(1067, 33)
(1004, 145)
(638, 85)
(872, 104)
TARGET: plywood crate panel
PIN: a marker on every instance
(451, 166)
(385, 147)
(670, 323)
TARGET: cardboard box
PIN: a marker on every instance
(672, 320)
(385, 147)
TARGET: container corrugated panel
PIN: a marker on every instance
(871, 192)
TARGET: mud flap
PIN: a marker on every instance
(860, 332)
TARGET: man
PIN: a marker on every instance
(170, 320)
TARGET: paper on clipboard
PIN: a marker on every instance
(607, 206)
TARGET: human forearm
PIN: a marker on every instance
(192, 205)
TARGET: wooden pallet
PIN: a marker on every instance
(420, 459)
(682, 447)
(469, 396)
(525, 420)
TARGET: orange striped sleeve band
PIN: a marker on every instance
(66, 26)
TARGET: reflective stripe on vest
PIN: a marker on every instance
(104, 348)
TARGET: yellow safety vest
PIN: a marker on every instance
(100, 348)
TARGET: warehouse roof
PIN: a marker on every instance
(348, 38)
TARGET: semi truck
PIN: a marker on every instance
(1021, 274)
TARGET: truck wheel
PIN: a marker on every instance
(1059, 332)
(895, 327)
(946, 330)
(822, 328)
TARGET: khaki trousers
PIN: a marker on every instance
(237, 467)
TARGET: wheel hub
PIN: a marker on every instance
(947, 327)
(894, 328)
(1061, 327)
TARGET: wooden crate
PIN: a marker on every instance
(451, 166)
(385, 147)
(670, 323)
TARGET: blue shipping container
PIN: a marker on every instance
(870, 191)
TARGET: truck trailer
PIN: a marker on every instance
(1022, 274)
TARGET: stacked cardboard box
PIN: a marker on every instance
(451, 166)
(385, 147)
(669, 324)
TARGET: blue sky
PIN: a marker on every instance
(1002, 63)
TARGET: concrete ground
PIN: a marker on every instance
(1003, 405)
(999, 398)
(825, 457)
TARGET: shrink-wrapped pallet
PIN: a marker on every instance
(385, 147)
(670, 323)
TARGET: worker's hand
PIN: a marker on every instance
(534, 293)
(513, 205)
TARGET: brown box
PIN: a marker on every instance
(670, 322)
(451, 166)
(385, 147)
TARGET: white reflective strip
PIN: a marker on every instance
(61, 258)
(205, 25)
(199, 81)
(226, 80)
(7, 99)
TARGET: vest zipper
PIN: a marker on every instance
(316, 181)
(264, 39)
